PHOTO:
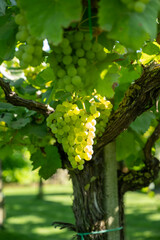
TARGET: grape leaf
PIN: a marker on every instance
(19, 123)
(149, 52)
(48, 162)
(45, 76)
(8, 28)
(47, 19)
(6, 117)
(128, 27)
(142, 123)
(125, 145)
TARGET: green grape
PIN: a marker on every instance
(61, 73)
(67, 50)
(93, 109)
(90, 55)
(22, 36)
(69, 88)
(31, 40)
(87, 45)
(64, 43)
(82, 62)
(26, 57)
(78, 36)
(80, 167)
(87, 36)
(19, 19)
(67, 60)
(139, 7)
(71, 71)
(29, 49)
(77, 81)
(100, 56)
(81, 71)
(67, 80)
(96, 47)
(80, 52)
(37, 51)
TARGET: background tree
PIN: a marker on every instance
(107, 50)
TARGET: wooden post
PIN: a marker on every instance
(111, 191)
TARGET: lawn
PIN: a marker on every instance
(29, 218)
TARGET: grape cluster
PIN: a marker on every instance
(30, 49)
(137, 6)
(71, 59)
(75, 128)
(104, 108)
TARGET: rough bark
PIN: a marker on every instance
(15, 100)
(92, 188)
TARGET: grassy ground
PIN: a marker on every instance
(30, 219)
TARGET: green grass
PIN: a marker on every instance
(30, 219)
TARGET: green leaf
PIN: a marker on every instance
(6, 117)
(125, 145)
(142, 123)
(49, 161)
(102, 76)
(149, 52)
(45, 76)
(3, 6)
(19, 123)
(8, 29)
(128, 27)
(47, 19)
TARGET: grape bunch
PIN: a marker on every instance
(76, 129)
(71, 60)
(30, 49)
(137, 6)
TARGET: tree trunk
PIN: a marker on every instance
(40, 189)
(96, 200)
(2, 213)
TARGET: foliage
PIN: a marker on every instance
(101, 56)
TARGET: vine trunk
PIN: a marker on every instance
(98, 204)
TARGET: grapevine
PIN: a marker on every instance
(71, 60)
(78, 127)
(29, 50)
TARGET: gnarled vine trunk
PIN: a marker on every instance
(96, 197)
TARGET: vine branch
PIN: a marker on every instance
(140, 97)
(15, 100)
(134, 180)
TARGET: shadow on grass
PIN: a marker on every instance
(33, 217)
(143, 223)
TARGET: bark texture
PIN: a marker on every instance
(15, 100)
